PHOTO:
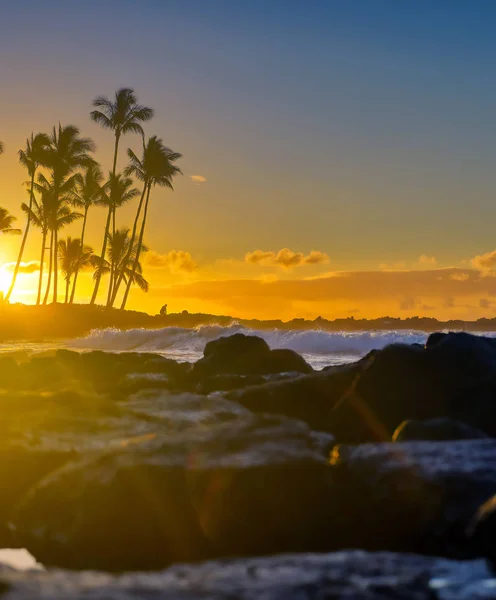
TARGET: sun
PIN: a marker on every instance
(5, 279)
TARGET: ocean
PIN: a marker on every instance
(320, 348)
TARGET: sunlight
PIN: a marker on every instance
(5, 279)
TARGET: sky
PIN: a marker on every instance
(338, 157)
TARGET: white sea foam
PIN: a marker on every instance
(318, 346)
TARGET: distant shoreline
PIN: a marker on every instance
(59, 321)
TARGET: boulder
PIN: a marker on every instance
(256, 485)
(309, 398)
(482, 531)
(241, 354)
(350, 575)
(436, 430)
(413, 496)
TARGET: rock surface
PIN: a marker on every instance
(413, 496)
(436, 430)
(256, 485)
(351, 575)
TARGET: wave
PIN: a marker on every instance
(189, 343)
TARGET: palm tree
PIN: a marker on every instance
(115, 193)
(117, 254)
(88, 192)
(73, 257)
(121, 115)
(37, 214)
(6, 220)
(2, 148)
(68, 153)
(34, 156)
(56, 199)
(158, 166)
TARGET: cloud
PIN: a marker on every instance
(484, 261)
(430, 261)
(286, 258)
(485, 303)
(177, 261)
(24, 267)
(198, 178)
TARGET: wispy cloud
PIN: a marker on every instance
(286, 258)
(198, 178)
(484, 261)
(24, 267)
(177, 261)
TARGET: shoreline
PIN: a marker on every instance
(33, 323)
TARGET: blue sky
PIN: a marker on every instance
(363, 129)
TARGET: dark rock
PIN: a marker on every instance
(481, 531)
(257, 485)
(436, 430)
(413, 496)
(241, 354)
(309, 398)
(397, 383)
(453, 377)
(351, 575)
(227, 382)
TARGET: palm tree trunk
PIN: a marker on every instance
(55, 265)
(43, 242)
(102, 256)
(138, 250)
(23, 242)
(45, 300)
(107, 227)
(67, 283)
(76, 273)
(131, 246)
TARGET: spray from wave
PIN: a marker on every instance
(319, 347)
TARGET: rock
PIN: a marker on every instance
(228, 382)
(396, 383)
(256, 485)
(482, 529)
(453, 377)
(412, 496)
(350, 575)
(436, 430)
(241, 354)
(309, 398)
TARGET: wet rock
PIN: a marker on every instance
(309, 398)
(482, 531)
(436, 430)
(413, 496)
(257, 485)
(228, 382)
(454, 377)
(351, 575)
(241, 354)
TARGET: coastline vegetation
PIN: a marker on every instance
(65, 183)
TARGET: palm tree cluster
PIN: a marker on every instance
(65, 182)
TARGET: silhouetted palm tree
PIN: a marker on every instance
(117, 253)
(6, 220)
(157, 165)
(36, 212)
(56, 198)
(121, 115)
(33, 156)
(2, 148)
(88, 192)
(116, 192)
(73, 257)
(68, 153)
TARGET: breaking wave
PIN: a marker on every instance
(318, 346)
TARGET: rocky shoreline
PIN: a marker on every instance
(134, 462)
